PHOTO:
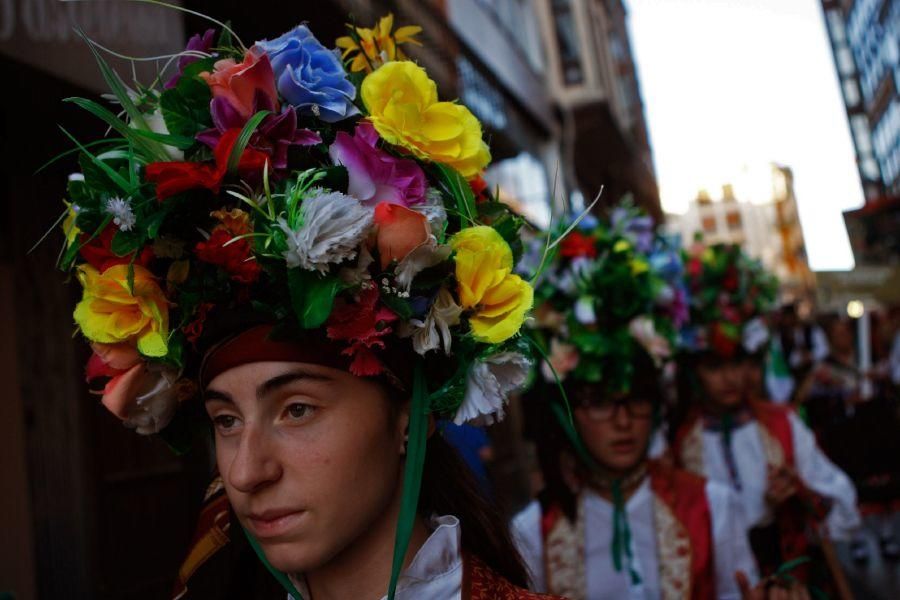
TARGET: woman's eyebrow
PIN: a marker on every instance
(271, 385)
(210, 395)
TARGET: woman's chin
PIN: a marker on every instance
(292, 557)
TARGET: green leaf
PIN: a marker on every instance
(185, 108)
(151, 149)
(400, 306)
(244, 138)
(459, 190)
(125, 243)
(312, 296)
(107, 170)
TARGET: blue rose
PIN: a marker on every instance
(309, 76)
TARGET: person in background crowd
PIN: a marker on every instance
(794, 350)
(858, 427)
(763, 451)
(610, 522)
(474, 447)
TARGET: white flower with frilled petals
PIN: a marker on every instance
(755, 335)
(584, 311)
(432, 208)
(643, 330)
(331, 229)
(491, 380)
(121, 212)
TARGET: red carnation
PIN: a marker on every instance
(98, 251)
(578, 244)
(479, 188)
(235, 258)
(363, 324)
(178, 176)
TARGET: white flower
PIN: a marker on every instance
(584, 311)
(563, 358)
(155, 405)
(433, 210)
(333, 225)
(643, 330)
(121, 212)
(423, 256)
(157, 124)
(428, 334)
(489, 384)
(755, 335)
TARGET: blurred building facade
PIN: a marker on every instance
(92, 510)
(865, 40)
(763, 219)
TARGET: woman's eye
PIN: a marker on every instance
(298, 410)
(224, 422)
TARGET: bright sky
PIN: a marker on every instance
(734, 83)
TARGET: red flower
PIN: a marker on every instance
(98, 251)
(720, 342)
(178, 176)
(235, 258)
(730, 280)
(194, 329)
(479, 188)
(578, 244)
(363, 324)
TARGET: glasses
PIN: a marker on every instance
(604, 410)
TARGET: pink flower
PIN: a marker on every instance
(400, 231)
(241, 83)
(375, 175)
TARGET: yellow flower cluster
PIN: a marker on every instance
(110, 314)
(371, 48)
(498, 299)
(403, 106)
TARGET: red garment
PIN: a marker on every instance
(480, 582)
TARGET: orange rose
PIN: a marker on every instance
(239, 83)
(400, 231)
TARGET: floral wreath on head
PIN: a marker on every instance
(333, 195)
(610, 289)
(730, 296)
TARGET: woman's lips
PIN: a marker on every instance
(273, 523)
(624, 446)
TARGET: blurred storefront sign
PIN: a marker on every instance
(43, 34)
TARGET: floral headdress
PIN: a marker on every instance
(730, 296)
(611, 289)
(277, 178)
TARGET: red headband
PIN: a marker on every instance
(255, 345)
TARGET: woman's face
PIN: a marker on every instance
(311, 456)
(723, 381)
(616, 434)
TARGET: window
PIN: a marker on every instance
(567, 42)
(733, 221)
(709, 224)
(851, 93)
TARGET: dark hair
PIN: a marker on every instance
(542, 427)
(450, 488)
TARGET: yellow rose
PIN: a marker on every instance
(108, 313)
(498, 299)
(404, 108)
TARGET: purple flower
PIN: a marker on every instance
(195, 44)
(376, 176)
(637, 228)
(275, 134)
(309, 76)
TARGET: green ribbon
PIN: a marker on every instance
(727, 428)
(621, 542)
(412, 473)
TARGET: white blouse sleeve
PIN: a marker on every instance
(526, 533)
(731, 547)
(823, 477)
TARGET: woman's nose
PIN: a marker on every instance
(255, 465)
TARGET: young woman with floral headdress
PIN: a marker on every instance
(611, 522)
(296, 239)
(727, 432)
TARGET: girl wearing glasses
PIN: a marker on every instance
(610, 522)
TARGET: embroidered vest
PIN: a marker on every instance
(774, 426)
(480, 582)
(683, 528)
